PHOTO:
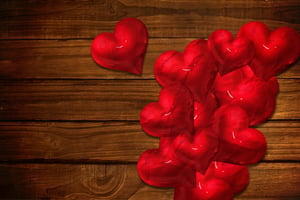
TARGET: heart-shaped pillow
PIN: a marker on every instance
(221, 181)
(255, 95)
(124, 49)
(194, 68)
(237, 176)
(275, 50)
(230, 53)
(198, 150)
(160, 170)
(213, 189)
(239, 144)
(170, 116)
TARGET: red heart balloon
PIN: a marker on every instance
(163, 171)
(197, 151)
(275, 51)
(237, 176)
(170, 116)
(238, 143)
(213, 189)
(241, 87)
(230, 53)
(221, 181)
(124, 49)
(194, 68)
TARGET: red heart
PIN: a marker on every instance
(163, 171)
(275, 51)
(194, 68)
(237, 176)
(214, 189)
(241, 87)
(221, 181)
(124, 49)
(230, 53)
(238, 143)
(170, 116)
(196, 151)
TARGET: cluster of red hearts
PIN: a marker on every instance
(212, 96)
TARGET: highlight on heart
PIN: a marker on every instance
(213, 94)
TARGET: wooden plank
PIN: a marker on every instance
(103, 100)
(71, 59)
(80, 141)
(288, 100)
(120, 182)
(75, 100)
(63, 181)
(283, 140)
(85, 19)
(101, 142)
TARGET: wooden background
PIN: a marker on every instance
(69, 129)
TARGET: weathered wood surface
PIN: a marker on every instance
(71, 59)
(171, 18)
(69, 128)
(102, 142)
(103, 100)
(121, 182)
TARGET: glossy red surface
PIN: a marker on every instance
(204, 111)
(221, 181)
(170, 116)
(186, 68)
(197, 151)
(274, 50)
(230, 53)
(238, 143)
(161, 170)
(241, 87)
(124, 49)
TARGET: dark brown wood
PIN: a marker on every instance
(282, 140)
(120, 182)
(65, 181)
(103, 100)
(86, 19)
(79, 141)
(71, 59)
(75, 100)
(102, 142)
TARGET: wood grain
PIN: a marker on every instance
(75, 100)
(71, 59)
(103, 142)
(64, 181)
(86, 19)
(121, 182)
(103, 100)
